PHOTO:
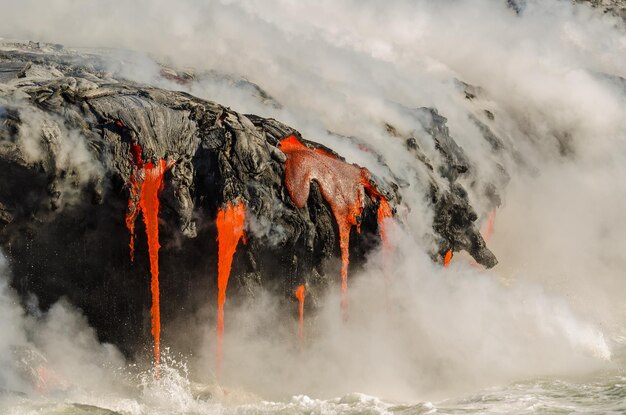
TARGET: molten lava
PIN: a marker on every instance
(342, 185)
(488, 229)
(230, 223)
(149, 203)
(384, 212)
(146, 182)
(300, 296)
(447, 258)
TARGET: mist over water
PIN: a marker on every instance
(553, 308)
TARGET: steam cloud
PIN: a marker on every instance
(553, 79)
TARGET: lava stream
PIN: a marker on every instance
(149, 203)
(146, 183)
(230, 222)
(342, 185)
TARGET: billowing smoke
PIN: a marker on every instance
(549, 85)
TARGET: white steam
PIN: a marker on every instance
(551, 79)
(433, 332)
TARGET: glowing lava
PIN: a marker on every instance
(342, 185)
(230, 223)
(447, 258)
(384, 212)
(300, 297)
(149, 203)
(488, 229)
(146, 183)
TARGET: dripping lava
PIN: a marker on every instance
(342, 185)
(146, 182)
(300, 296)
(230, 222)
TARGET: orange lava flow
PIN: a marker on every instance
(488, 229)
(342, 185)
(300, 297)
(230, 222)
(384, 212)
(132, 213)
(146, 182)
(447, 258)
(149, 203)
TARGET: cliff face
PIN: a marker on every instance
(77, 147)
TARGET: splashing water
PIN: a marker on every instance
(230, 221)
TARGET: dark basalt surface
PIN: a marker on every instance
(64, 194)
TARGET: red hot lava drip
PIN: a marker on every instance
(146, 183)
(230, 223)
(342, 185)
(300, 296)
(447, 258)
(384, 212)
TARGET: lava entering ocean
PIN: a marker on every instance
(230, 221)
(146, 182)
(447, 258)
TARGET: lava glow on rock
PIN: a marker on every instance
(146, 182)
(342, 185)
(230, 221)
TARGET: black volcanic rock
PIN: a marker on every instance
(66, 130)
